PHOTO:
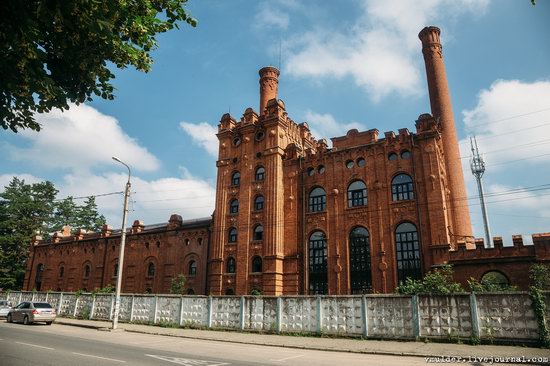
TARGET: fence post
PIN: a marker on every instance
(60, 303)
(242, 313)
(47, 293)
(279, 314)
(132, 308)
(33, 294)
(93, 307)
(209, 316)
(474, 315)
(156, 308)
(415, 317)
(20, 297)
(319, 315)
(181, 311)
(365, 316)
(75, 306)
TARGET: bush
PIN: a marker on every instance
(109, 289)
(437, 282)
(177, 286)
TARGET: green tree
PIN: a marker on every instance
(55, 51)
(66, 212)
(25, 210)
(437, 282)
(177, 286)
(88, 217)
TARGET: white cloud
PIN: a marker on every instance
(151, 201)
(203, 135)
(381, 51)
(81, 138)
(503, 139)
(270, 17)
(326, 126)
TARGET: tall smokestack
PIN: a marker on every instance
(440, 101)
(269, 83)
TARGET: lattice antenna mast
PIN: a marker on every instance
(478, 169)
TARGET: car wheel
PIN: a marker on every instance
(9, 319)
(26, 320)
(48, 323)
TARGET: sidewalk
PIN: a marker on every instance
(419, 349)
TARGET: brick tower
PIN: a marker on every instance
(440, 102)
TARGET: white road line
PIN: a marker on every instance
(102, 358)
(287, 358)
(35, 345)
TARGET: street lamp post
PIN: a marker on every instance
(122, 243)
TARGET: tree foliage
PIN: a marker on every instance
(437, 282)
(177, 286)
(55, 51)
(29, 209)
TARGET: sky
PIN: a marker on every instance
(344, 64)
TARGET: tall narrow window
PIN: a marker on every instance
(234, 206)
(232, 235)
(258, 232)
(317, 200)
(408, 252)
(151, 270)
(259, 203)
(357, 194)
(260, 173)
(236, 179)
(192, 268)
(38, 277)
(256, 264)
(115, 270)
(360, 261)
(318, 278)
(402, 188)
(231, 265)
(61, 271)
(87, 271)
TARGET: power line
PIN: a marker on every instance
(507, 118)
(511, 132)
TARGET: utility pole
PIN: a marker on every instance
(478, 169)
(122, 244)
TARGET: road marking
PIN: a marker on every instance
(151, 342)
(188, 361)
(102, 358)
(35, 345)
(287, 358)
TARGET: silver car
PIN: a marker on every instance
(5, 307)
(29, 312)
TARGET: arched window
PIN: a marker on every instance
(190, 291)
(256, 264)
(408, 252)
(236, 179)
(360, 262)
(38, 277)
(494, 280)
(192, 268)
(318, 280)
(234, 206)
(317, 200)
(392, 156)
(402, 188)
(229, 292)
(258, 233)
(61, 272)
(231, 265)
(232, 235)
(357, 194)
(405, 154)
(115, 269)
(87, 271)
(151, 270)
(259, 203)
(260, 173)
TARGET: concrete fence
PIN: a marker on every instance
(487, 316)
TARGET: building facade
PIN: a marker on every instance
(295, 216)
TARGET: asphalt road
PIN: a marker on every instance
(60, 345)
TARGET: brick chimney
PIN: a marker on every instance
(440, 101)
(269, 83)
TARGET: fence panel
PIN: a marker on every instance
(144, 309)
(194, 311)
(226, 312)
(390, 316)
(299, 314)
(260, 313)
(102, 307)
(342, 315)
(445, 316)
(168, 309)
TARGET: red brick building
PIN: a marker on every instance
(293, 216)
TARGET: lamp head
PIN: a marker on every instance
(116, 159)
